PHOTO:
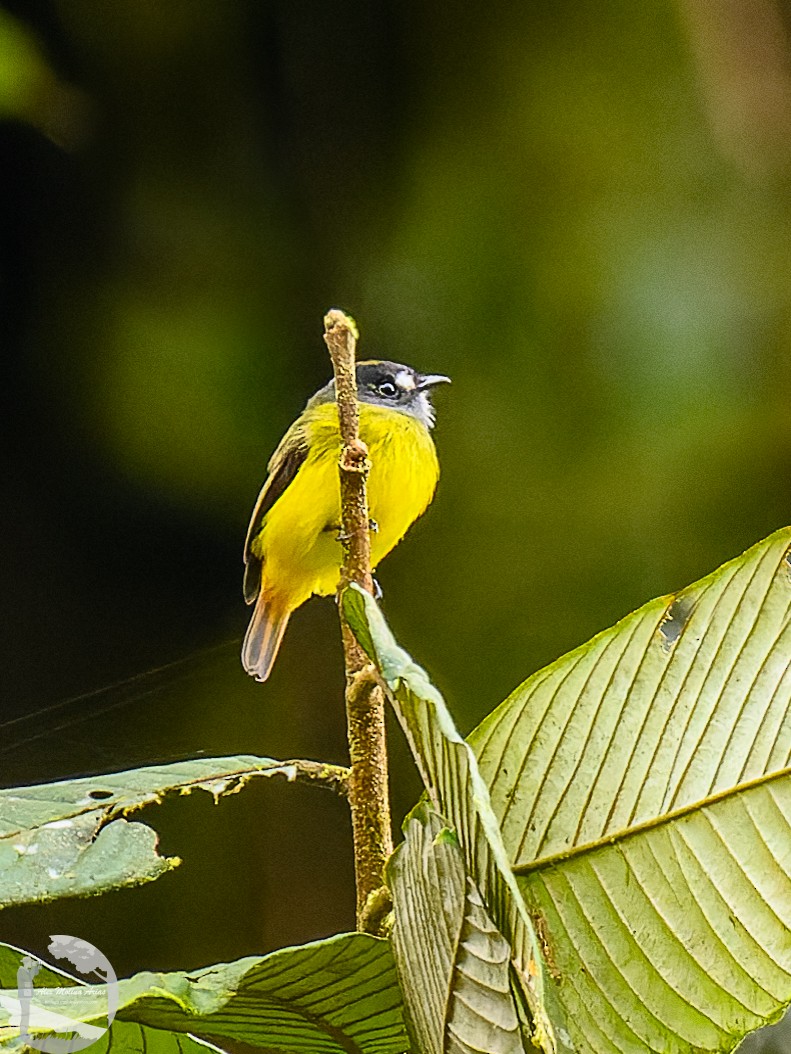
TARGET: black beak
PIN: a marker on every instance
(428, 380)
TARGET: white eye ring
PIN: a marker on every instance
(387, 389)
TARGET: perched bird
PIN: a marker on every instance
(293, 548)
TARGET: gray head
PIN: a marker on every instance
(391, 384)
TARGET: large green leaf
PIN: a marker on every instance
(643, 789)
(453, 963)
(337, 996)
(125, 1037)
(70, 839)
(455, 788)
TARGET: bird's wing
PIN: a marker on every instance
(283, 466)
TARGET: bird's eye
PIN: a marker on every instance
(387, 389)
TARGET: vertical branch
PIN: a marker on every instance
(365, 705)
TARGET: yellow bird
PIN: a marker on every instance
(293, 549)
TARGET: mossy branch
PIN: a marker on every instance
(367, 784)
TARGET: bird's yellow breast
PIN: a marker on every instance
(298, 542)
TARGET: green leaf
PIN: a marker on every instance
(453, 963)
(70, 839)
(47, 976)
(337, 996)
(126, 1037)
(455, 788)
(643, 788)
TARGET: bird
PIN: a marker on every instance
(293, 546)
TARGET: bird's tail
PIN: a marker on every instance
(263, 637)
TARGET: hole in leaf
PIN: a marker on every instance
(676, 617)
(100, 795)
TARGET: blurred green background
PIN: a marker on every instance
(580, 211)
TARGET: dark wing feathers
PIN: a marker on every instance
(283, 466)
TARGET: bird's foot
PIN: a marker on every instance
(373, 526)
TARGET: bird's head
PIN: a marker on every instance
(393, 385)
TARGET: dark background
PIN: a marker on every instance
(580, 211)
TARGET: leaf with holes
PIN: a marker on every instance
(70, 839)
(456, 790)
(452, 961)
(337, 996)
(643, 790)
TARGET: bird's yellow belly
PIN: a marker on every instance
(299, 540)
